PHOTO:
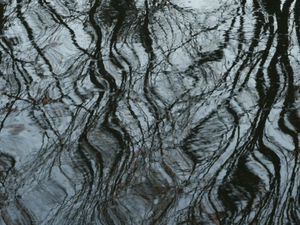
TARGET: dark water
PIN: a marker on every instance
(149, 112)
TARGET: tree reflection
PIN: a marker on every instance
(148, 112)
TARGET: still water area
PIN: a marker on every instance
(149, 112)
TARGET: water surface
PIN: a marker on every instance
(149, 112)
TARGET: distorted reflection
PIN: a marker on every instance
(149, 112)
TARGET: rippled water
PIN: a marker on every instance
(149, 112)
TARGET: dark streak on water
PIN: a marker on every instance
(149, 112)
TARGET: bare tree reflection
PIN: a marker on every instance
(149, 112)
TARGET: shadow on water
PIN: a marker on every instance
(149, 112)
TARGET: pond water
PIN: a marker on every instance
(159, 112)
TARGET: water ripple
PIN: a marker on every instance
(149, 112)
